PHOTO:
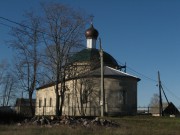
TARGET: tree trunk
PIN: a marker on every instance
(31, 103)
(62, 94)
(9, 92)
(57, 91)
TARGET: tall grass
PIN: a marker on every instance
(137, 125)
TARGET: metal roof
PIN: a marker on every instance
(108, 71)
(92, 55)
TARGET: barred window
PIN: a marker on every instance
(44, 102)
(50, 102)
(40, 103)
(85, 96)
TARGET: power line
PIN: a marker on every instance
(22, 25)
(10, 26)
(148, 78)
(48, 34)
(6, 25)
(16, 23)
(170, 91)
(145, 76)
(153, 80)
(25, 26)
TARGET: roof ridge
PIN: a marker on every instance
(121, 72)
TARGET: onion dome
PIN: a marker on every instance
(91, 33)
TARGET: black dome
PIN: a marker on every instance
(92, 55)
(91, 33)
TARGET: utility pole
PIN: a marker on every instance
(102, 79)
(160, 97)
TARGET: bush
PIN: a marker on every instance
(10, 117)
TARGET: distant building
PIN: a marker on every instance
(171, 109)
(22, 106)
(82, 96)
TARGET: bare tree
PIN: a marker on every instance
(64, 28)
(9, 89)
(154, 104)
(3, 69)
(83, 87)
(7, 84)
(85, 94)
(27, 44)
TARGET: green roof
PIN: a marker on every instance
(93, 56)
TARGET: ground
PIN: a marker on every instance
(134, 125)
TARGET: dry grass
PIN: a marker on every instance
(136, 125)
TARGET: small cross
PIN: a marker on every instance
(91, 18)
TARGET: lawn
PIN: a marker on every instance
(135, 125)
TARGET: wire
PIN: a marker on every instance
(25, 26)
(15, 23)
(20, 24)
(9, 26)
(142, 75)
(145, 76)
(174, 95)
(6, 25)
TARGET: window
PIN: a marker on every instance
(44, 102)
(85, 96)
(50, 102)
(122, 97)
(40, 103)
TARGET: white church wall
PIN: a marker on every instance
(120, 97)
(45, 101)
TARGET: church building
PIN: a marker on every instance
(83, 96)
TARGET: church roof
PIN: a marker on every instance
(92, 55)
(108, 71)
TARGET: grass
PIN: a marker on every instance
(135, 125)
